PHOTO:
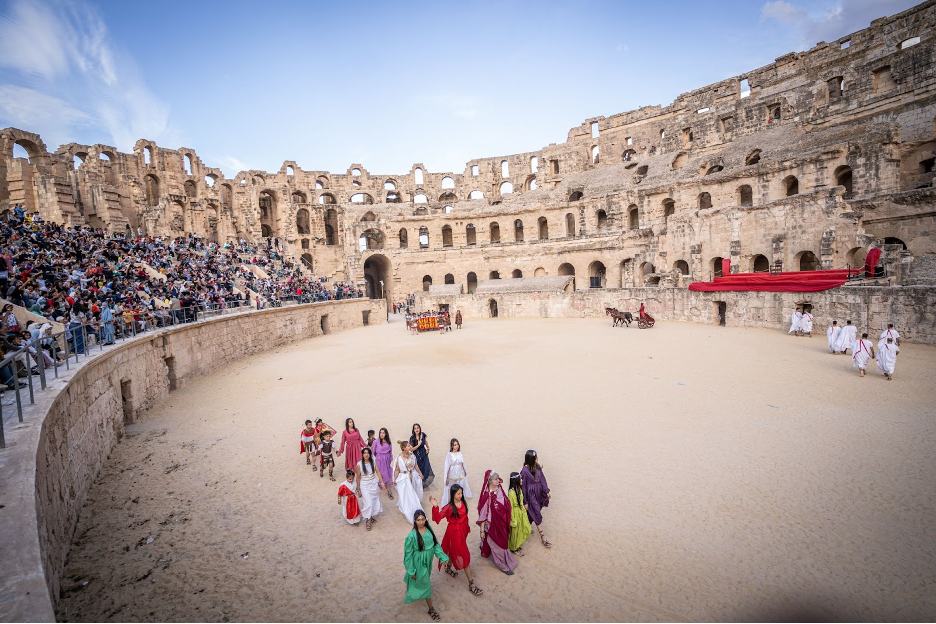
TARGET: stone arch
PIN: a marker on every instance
(303, 225)
(191, 191)
(543, 227)
(494, 275)
(448, 182)
(377, 267)
(321, 182)
(268, 213)
(299, 197)
(806, 261)
(597, 274)
(471, 281)
(516, 274)
(760, 264)
(602, 218)
(669, 208)
(449, 278)
(362, 198)
(446, 236)
(705, 201)
(471, 234)
(633, 217)
(506, 188)
(753, 158)
(843, 177)
(476, 194)
(745, 195)
(151, 183)
(423, 237)
(539, 272)
(680, 161)
(715, 267)
(265, 231)
(426, 282)
(326, 199)
(307, 259)
(856, 257)
(389, 185)
(893, 240)
(567, 269)
(331, 227)
(369, 216)
(420, 198)
(518, 231)
(790, 186)
(570, 225)
(646, 270)
(682, 266)
(576, 196)
(227, 196)
(393, 198)
(494, 230)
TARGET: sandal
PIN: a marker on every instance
(434, 615)
(543, 539)
(367, 524)
(451, 572)
(314, 467)
(508, 572)
(308, 461)
(390, 494)
(518, 552)
(477, 591)
(332, 477)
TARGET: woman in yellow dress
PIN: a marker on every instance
(520, 528)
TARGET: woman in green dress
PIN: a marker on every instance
(520, 528)
(418, 550)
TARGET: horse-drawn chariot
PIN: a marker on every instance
(645, 321)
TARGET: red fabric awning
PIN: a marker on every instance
(792, 281)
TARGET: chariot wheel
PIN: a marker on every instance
(650, 324)
(642, 324)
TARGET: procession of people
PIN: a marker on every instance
(505, 518)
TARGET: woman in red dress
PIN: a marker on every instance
(455, 541)
(351, 444)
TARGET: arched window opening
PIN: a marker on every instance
(210, 180)
(393, 198)
(567, 269)
(715, 267)
(516, 274)
(152, 190)
(570, 225)
(101, 156)
(745, 195)
(494, 229)
(628, 155)
(682, 266)
(326, 198)
(534, 164)
(448, 182)
(355, 172)
(303, 225)
(424, 237)
(426, 282)
(539, 272)
(304, 243)
(680, 161)
(447, 209)
(78, 159)
(266, 231)
(321, 182)
(190, 189)
(290, 171)
(843, 177)
(595, 155)
(227, 196)
(470, 234)
(472, 282)
(389, 185)
(403, 238)
(753, 158)
(506, 188)
(856, 257)
(187, 164)
(633, 217)
(646, 272)
(806, 261)
(790, 186)
(705, 201)
(662, 134)
(420, 198)
(331, 227)
(531, 183)
(355, 184)
(543, 225)
(773, 116)
(505, 169)
(494, 275)
(448, 198)
(893, 240)
(449, 278)
(602, 219)
(369, 216)
(446, 236)
(714, 169)
(418, 177)
(476, 195)
(576, 196)
(669, 208)
(760, 264)
(596, 275)
(147, 155)
(298, 197)
(422, 210)
(518, 230)
(362, 198)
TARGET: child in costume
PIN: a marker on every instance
(350, 510)
(327, 454)
(307, 443)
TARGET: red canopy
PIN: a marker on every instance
(792, 281)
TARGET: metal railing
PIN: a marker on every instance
(75, 342)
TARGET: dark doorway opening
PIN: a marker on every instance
(493, 306)
(722, 312)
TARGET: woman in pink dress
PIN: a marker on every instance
(351, 444)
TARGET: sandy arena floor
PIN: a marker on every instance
(698, 473)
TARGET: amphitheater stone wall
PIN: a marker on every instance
(52, 459)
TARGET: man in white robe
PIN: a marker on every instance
(832, 335)
(887, 358)
(862, 352)
(847, 337)
(806, 324)
(795, 321)
(890, 332)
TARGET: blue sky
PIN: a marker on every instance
(384, 84)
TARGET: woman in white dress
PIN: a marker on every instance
(455, 472)
(369, 484)
(408, 481)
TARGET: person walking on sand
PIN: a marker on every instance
(806, 324)
(455, 471)
(307, 443)
(419, 549)
(350, 509)
(458, 319)
(420, 443)
(520, 528)
(862, 353)
(890, 332)
(535, 492)
(455, 540)
(847, 338)
(832, 335)
(369, 484)
(351, 444)
(408, 481)
(383, 453)
(494, 518)
(887, 358)
(795, 322)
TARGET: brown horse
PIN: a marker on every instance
(624, 318)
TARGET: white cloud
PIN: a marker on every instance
(37, 111)
(621, 47)
(231, 165)
(834, 21)
(63, 52)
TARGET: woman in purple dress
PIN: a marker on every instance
(535, 492)
(383, 452)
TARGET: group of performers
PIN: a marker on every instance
(505, 517)
(433, 321)
(841, 338)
